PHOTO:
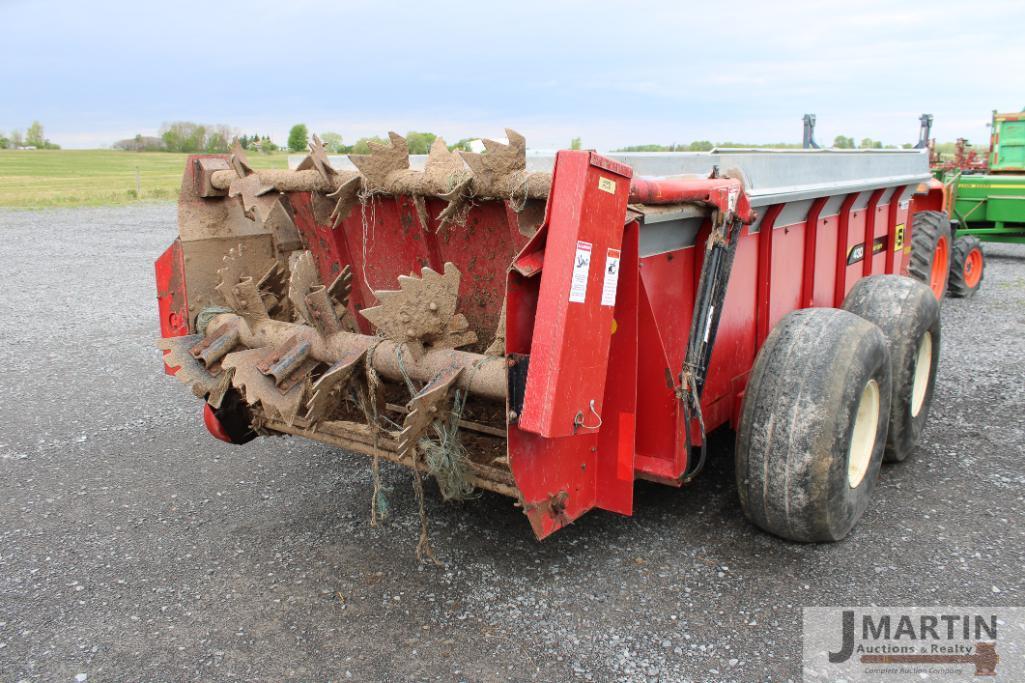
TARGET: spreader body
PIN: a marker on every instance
(525, 324)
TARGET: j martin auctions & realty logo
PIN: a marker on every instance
(914, 643)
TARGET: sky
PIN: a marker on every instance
(612, 73)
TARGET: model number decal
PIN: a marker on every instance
(607, 185)
(857, 252)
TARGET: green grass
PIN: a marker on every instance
(33, 179)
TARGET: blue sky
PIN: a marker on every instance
(613, 73)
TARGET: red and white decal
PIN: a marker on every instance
(581, 268)
(608, 289)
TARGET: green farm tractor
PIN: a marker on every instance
(985, 199)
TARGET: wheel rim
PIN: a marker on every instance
(973, 268)
(863, 436)
(923, 365)
(940, 264)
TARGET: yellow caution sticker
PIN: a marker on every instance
(607, 185)
(898, 237)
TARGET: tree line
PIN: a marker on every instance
(33, 137)
(190, 137)
(418, 142)
(840, 142)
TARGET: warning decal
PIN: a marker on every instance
(898, 237)
(581, 267)
(608, 288)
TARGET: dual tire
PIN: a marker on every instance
(832, 394)
(930, 250)
(967, 267)
(946, 265)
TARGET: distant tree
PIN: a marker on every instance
(700, 146)
(332, 142)
(362, 145)
(140, 143)
(17, 140)
(575, 143)
(5, 141)
(907, 145)
(419, 143)
(643, 148)
(843, 142)
(267, 146)
(463, 145)
(869, 143)
(298, 138)
(183, 136)
(216, 143)
(34, 135)
(218, 138)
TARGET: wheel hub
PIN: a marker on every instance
(863, 436)
(923, 364)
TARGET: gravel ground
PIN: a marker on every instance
(133, 547)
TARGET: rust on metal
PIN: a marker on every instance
(284, 360)
(214, 347)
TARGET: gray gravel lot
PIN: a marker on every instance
(133, 547)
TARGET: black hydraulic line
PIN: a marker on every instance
(708, 303)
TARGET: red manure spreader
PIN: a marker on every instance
(555, 327)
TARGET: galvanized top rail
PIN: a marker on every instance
(770, 176)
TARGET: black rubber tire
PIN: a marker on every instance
(957, 285)
(794, 441)
(235, 418)
(906, 311)
(928, 228)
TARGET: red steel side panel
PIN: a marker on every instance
(659, 420)
(787, 270)
(392, 237)
(569, 350)
(826, 240)
(855, 236)
(900, 239)
(616, 439)
(172, 298)
(873, 250)
(670, 280)
(843, 243)
(811, 236)
(895, 242)
(734, 349)
(765, 238)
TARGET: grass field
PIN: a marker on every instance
(32, 179)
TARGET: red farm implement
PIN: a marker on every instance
(555, 328)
